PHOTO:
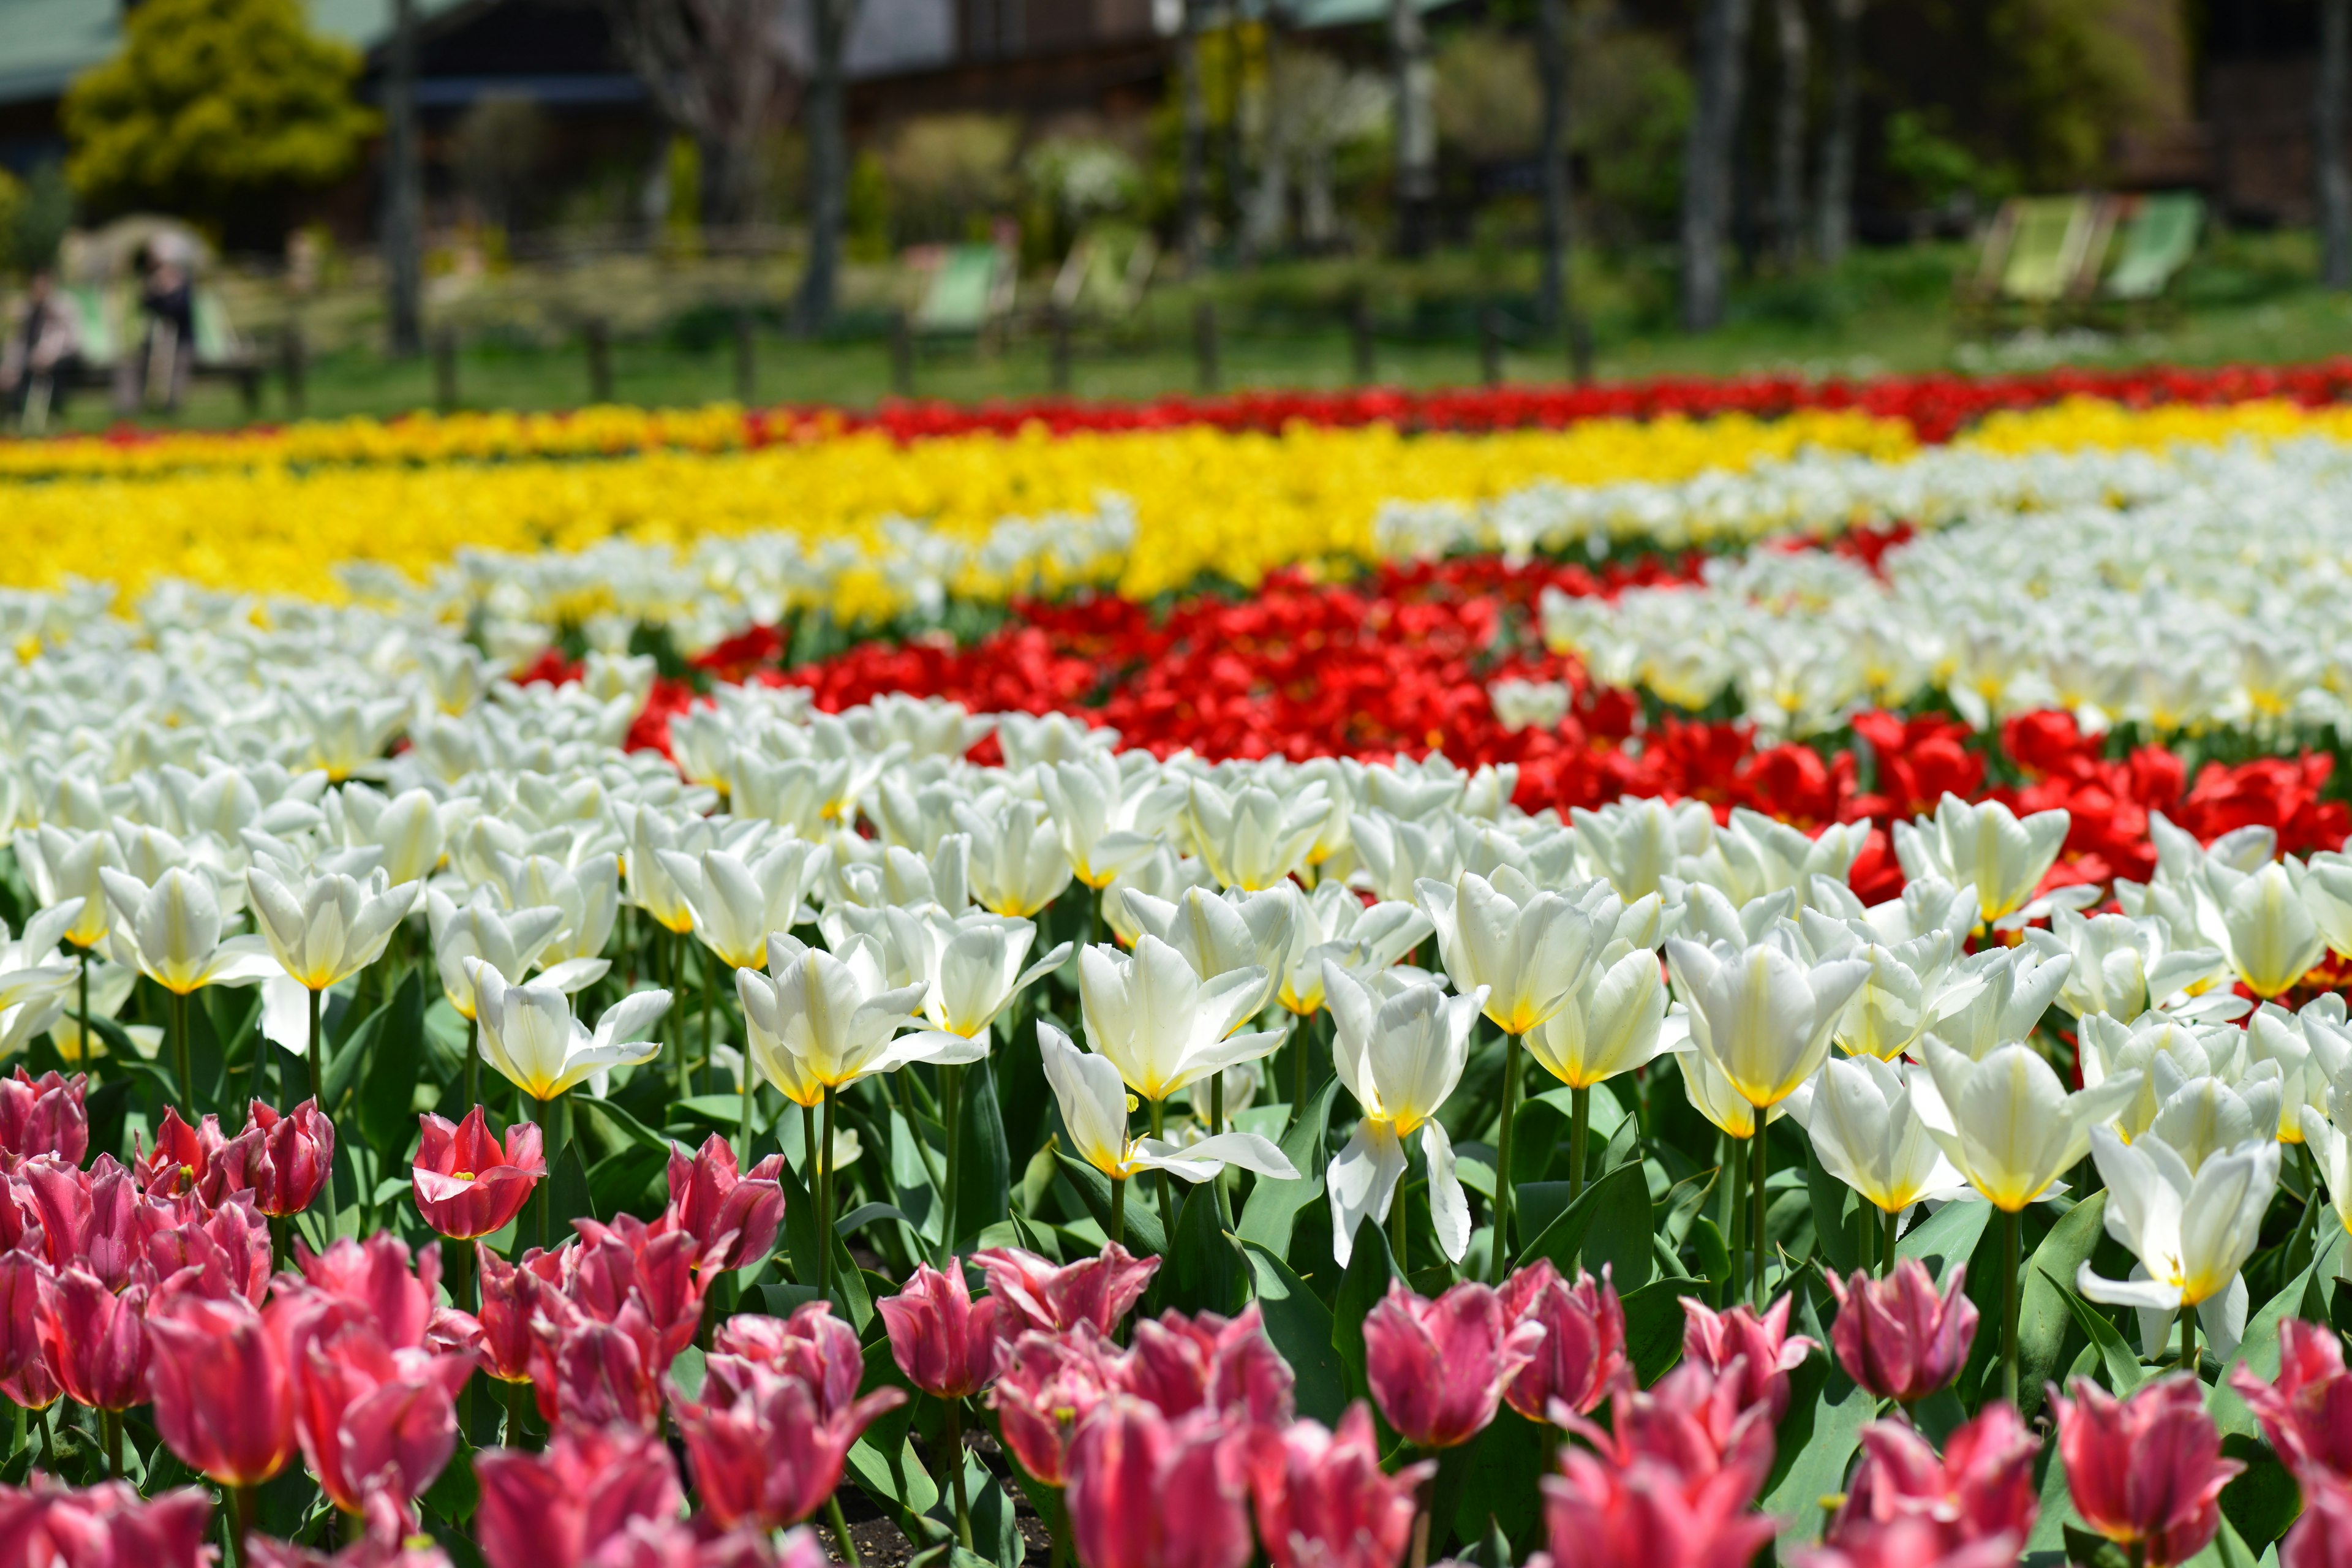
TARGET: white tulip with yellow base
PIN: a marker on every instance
(1161, 1025)
(1401, 1058)
(2191, 1231)
(531, 1036)
(822, 1021)
(1859, 1113)
(2261, 923)
(1219, 933)
(1107, 819)
(1989, 846)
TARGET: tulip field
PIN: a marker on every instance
(1672, 975)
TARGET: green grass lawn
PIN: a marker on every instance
(2246, 297)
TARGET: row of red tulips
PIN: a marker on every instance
(1174, 1442)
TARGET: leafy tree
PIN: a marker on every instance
(213, 105)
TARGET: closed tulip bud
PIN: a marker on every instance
(762, 1453)
(467, 1183)
(1646, 1515)
(224, 1398)
(1896, 1337)
(733, 1218)
(1146, 1491)
(942, 1339)
(1438, 1369)
(1035, 1292)
(2322, 1537)
(1047, 1386)
(1210, 1362)
(1763, 1346)
(2146, 1471)
(593, 1374)
(1582, 1354)
(93, 1341)
(509, 1302)
(1322, 1500)
(222, 1254)
(558, 1508)
(296, 1150)
(105, 1526)
(1981, 1486)
(2306, 1410)
(43, 1115)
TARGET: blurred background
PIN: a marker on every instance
(217, 210)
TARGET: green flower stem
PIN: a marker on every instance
(1894, 1218)
(110, 1438)
(1503, 1157)
(1167, 1203)
(955, 1470)
(708, 964)
(1580, 1129)
(1216, 1103)
(2012, 1223)
(1397, 1238)
(841, 1531)
(82, 1008)
(181, 1063)
(512, 1436)
(751, 1087)
(1762, 1160)
(1118, 1210)
(1302, 1057)
(2190, 1362)
(1735, 1161)
(240, 1521)
(473, 1063)
(951, 1115)
(824, 1212)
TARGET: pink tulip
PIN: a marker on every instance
(1648, 1515)
(1910, 1541)
(1584, 1350)
(1322, 1500)
(224, 1398)
(1437, 1369)
(732, 1217)
(467, 1183)
(222, 1254)
(557, 1509)
(2144, 1470)
(1040, 1294)
(104, 1526)
(43, 1115)
(91, 1220)
(375, 1276)
(93, 1341)
(1764, 1344)
(509, 1302)
(20, 1313)
(1981, 1488)
(1690, 1423)
(1896, 1337)
(943, 1341)
(182, 1157)
(812, 1345)
(1146, 1491)
(1047, 1386)
(388, 1539)
(1208, 1362)
(370, 1413)
(282, 1161)
(629, 1261)
(762, 1453)
(2322, 1538)
(2307, 1411)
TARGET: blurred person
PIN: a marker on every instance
(167, 298)
(41, 354)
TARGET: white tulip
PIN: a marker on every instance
(1985, 845)
(1254, 839)
(333, 928)
(529, 1037)
(2275, 1034)
(821, 1020)
(2006, 1122)
(1331, 923)
(970, 965)
(2123, 967)
(2201, 1117)
(2186, 1047)
(1160, 1023)
(1018, 864)
(1858, 1111)
(1528, 952)
(1754, 855)
(62, 864)
(1612, 1025)
(405, 829)
(1218, 935)
(739, 902)
(1398, 853)
(1401, 1058)
(509, 941)
(1761, 1018)
(1638, 844)
(1107, 820)
(2261, 923)
(589, 894)
(1998, 996)
(174, 932)
(1710, 1093)
(1094, 1102)
(1901, 997)
(2333, 1152)
(2192, 1232)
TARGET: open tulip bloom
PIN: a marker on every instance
(2191, 1231)
(1401, 1058)
(174, 928)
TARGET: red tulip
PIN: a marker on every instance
(557, 1509)
(1322, 1500)
(91, 1219)
(812, 1345)
(183, 1155)
(1146, 1491)
(630, 1262)
(1981, 1490)
(43, 1115)
(2307, 1411)
(2322, 1538)
(225, 1253)
(1896, 1337)
(1648, 1515)
(33, 1387)
(509, 1301)
(1184, 1364)
(1690, 1423)
(370, 1412)
(375, 1276)
(732, 1217)
(1040, 1294)
(1438, 1369)
(597, 1373)
(223, 1400)
(1910, 1542)
(943, 1341)
(2146, 1470)
(104, 1526)
(1584, 1350)
(763, 1454)
(467, 1184)
(20, 1313)
(1047, 1386)
(1764, 1346)
(297, 1152)
(93, 1341)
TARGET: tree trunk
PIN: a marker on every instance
(1553, 304)
(828, 159)
(1721, 50)
(2328, 126)
(404, 194)
(1192, 174)
(1834, 201)
(1416, 126)
(1788, 135)
(728, 167)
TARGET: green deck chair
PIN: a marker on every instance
(218, 339)
(2046, 247)
(2159, 236)
(101, 345)
(962, 292)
